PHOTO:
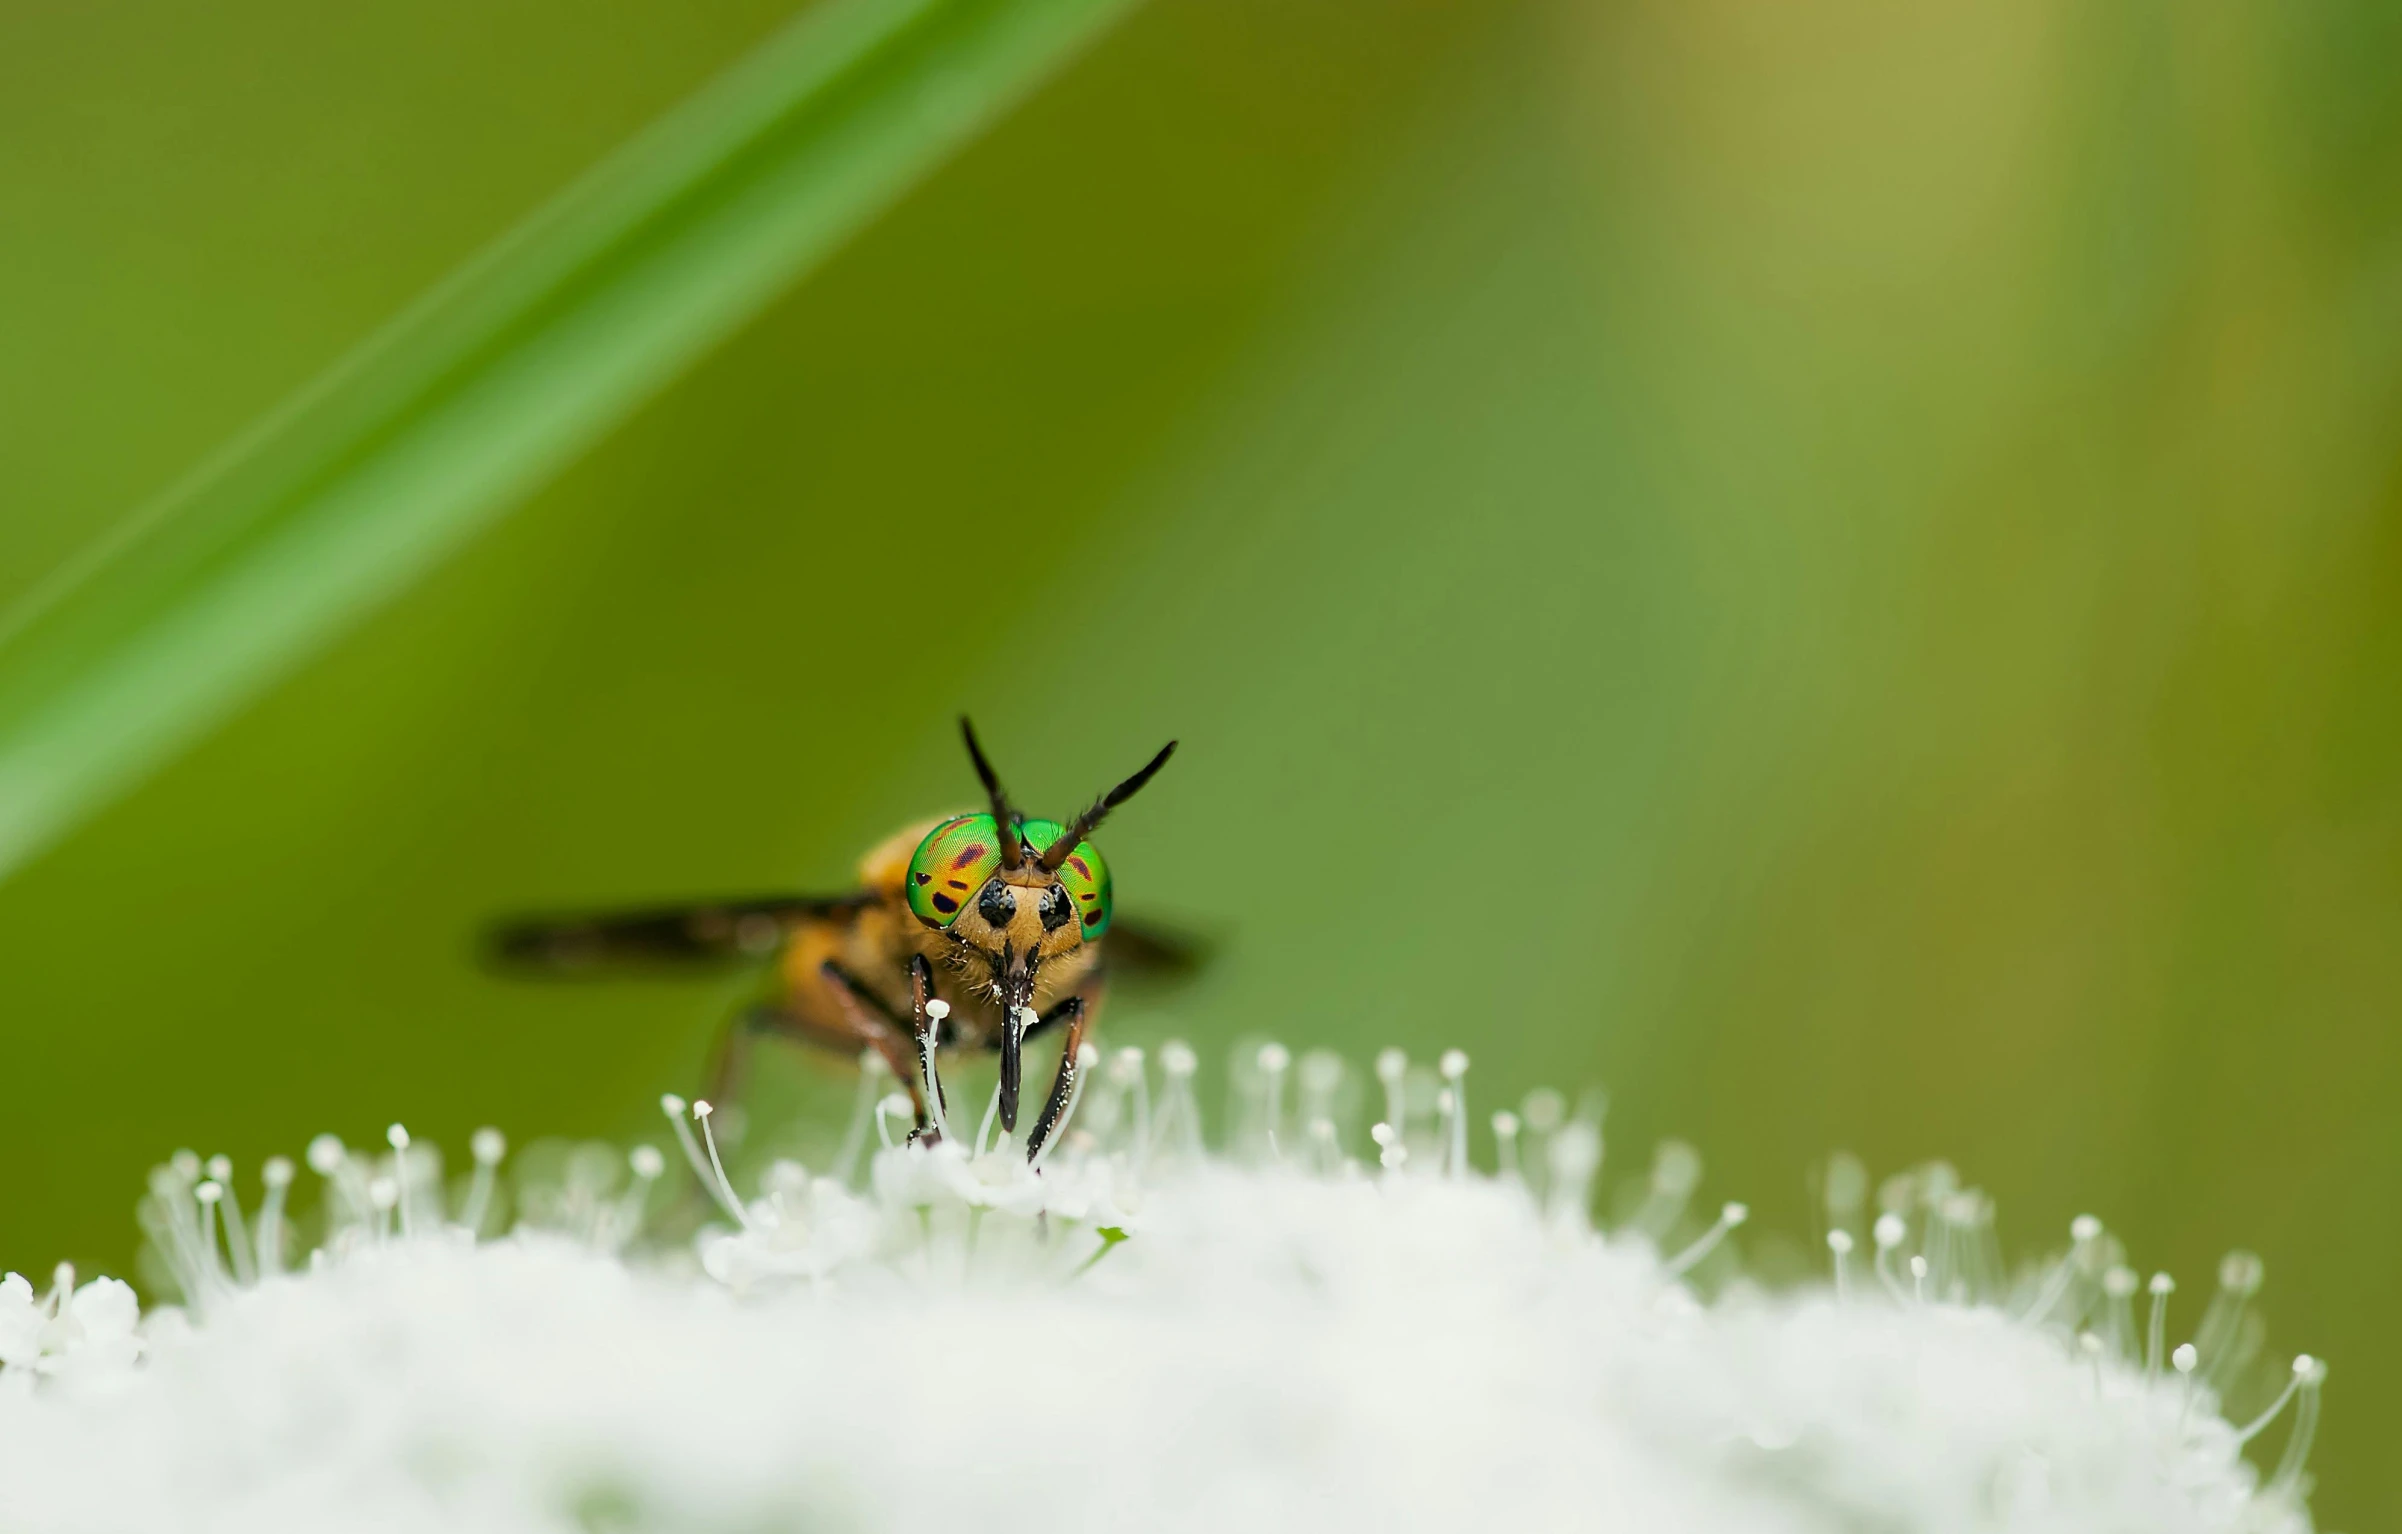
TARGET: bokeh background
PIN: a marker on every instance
(1835, 569)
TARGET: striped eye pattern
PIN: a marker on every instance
(1084, 876)
(950, 865)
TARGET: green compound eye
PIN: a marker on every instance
(950, 865)
(1083, 875)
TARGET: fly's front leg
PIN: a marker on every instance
(1078, 1013)
(926, 1014)
(730, 1061)
(877, 1025)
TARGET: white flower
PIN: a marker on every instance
(1288, 1339)
(21, 1323)
(86, 1335)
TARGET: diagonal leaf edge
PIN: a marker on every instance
(489, 385)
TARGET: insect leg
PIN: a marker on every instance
(854, 991)
(1079, 1012)
(928, 1026)
(874, 1023)
(1059, 1013)
(734, 1050)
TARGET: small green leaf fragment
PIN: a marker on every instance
(1110, 1236)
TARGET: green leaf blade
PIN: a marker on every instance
(490, 385)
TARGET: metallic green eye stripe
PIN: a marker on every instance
(1083, 875)
(950, 865)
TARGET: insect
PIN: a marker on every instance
(978, 931)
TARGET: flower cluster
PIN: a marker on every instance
(69, 1333)
(1309, 1325)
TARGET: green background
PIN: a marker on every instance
(1837, 569)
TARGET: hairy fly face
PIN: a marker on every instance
(1018, 922)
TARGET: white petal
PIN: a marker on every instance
(106, 1310)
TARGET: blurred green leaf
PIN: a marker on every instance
(490, 384)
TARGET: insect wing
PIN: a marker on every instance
(702, 932)
(1147, 951)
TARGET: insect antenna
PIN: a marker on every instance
(1013, 851)
(1091, 819)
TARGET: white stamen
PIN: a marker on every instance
(1729, 1216)
(398, 1139)
(678, 1112)
(1128, 1067)
(1675, 1173)
(936, 1010)
(1890, 1231)
(2304, 1367)
(170, 1216)
(2119, 1284)
(1544, 1110)
(324, 1154)
(992, 1111)
(1272, 1060)
(891, 1105)
(2156, 1333)
(1177, 1131)
(723, 1186)
(1454, 1066)
(486, 1147)
(1505, 1145)
(237, 1235)
(208, 1193)
(1574, 1156)
(383, 1196)
(346, 1176)
(646, 1163)
(1325, 1152)
(1392, 1069)
(1320, 1075)
(277, 1175)
(1839, 1242)
(863, 1109)
(2241, 1274)
(2083, 1231)
(2183, 1360)
(2288, 1473)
